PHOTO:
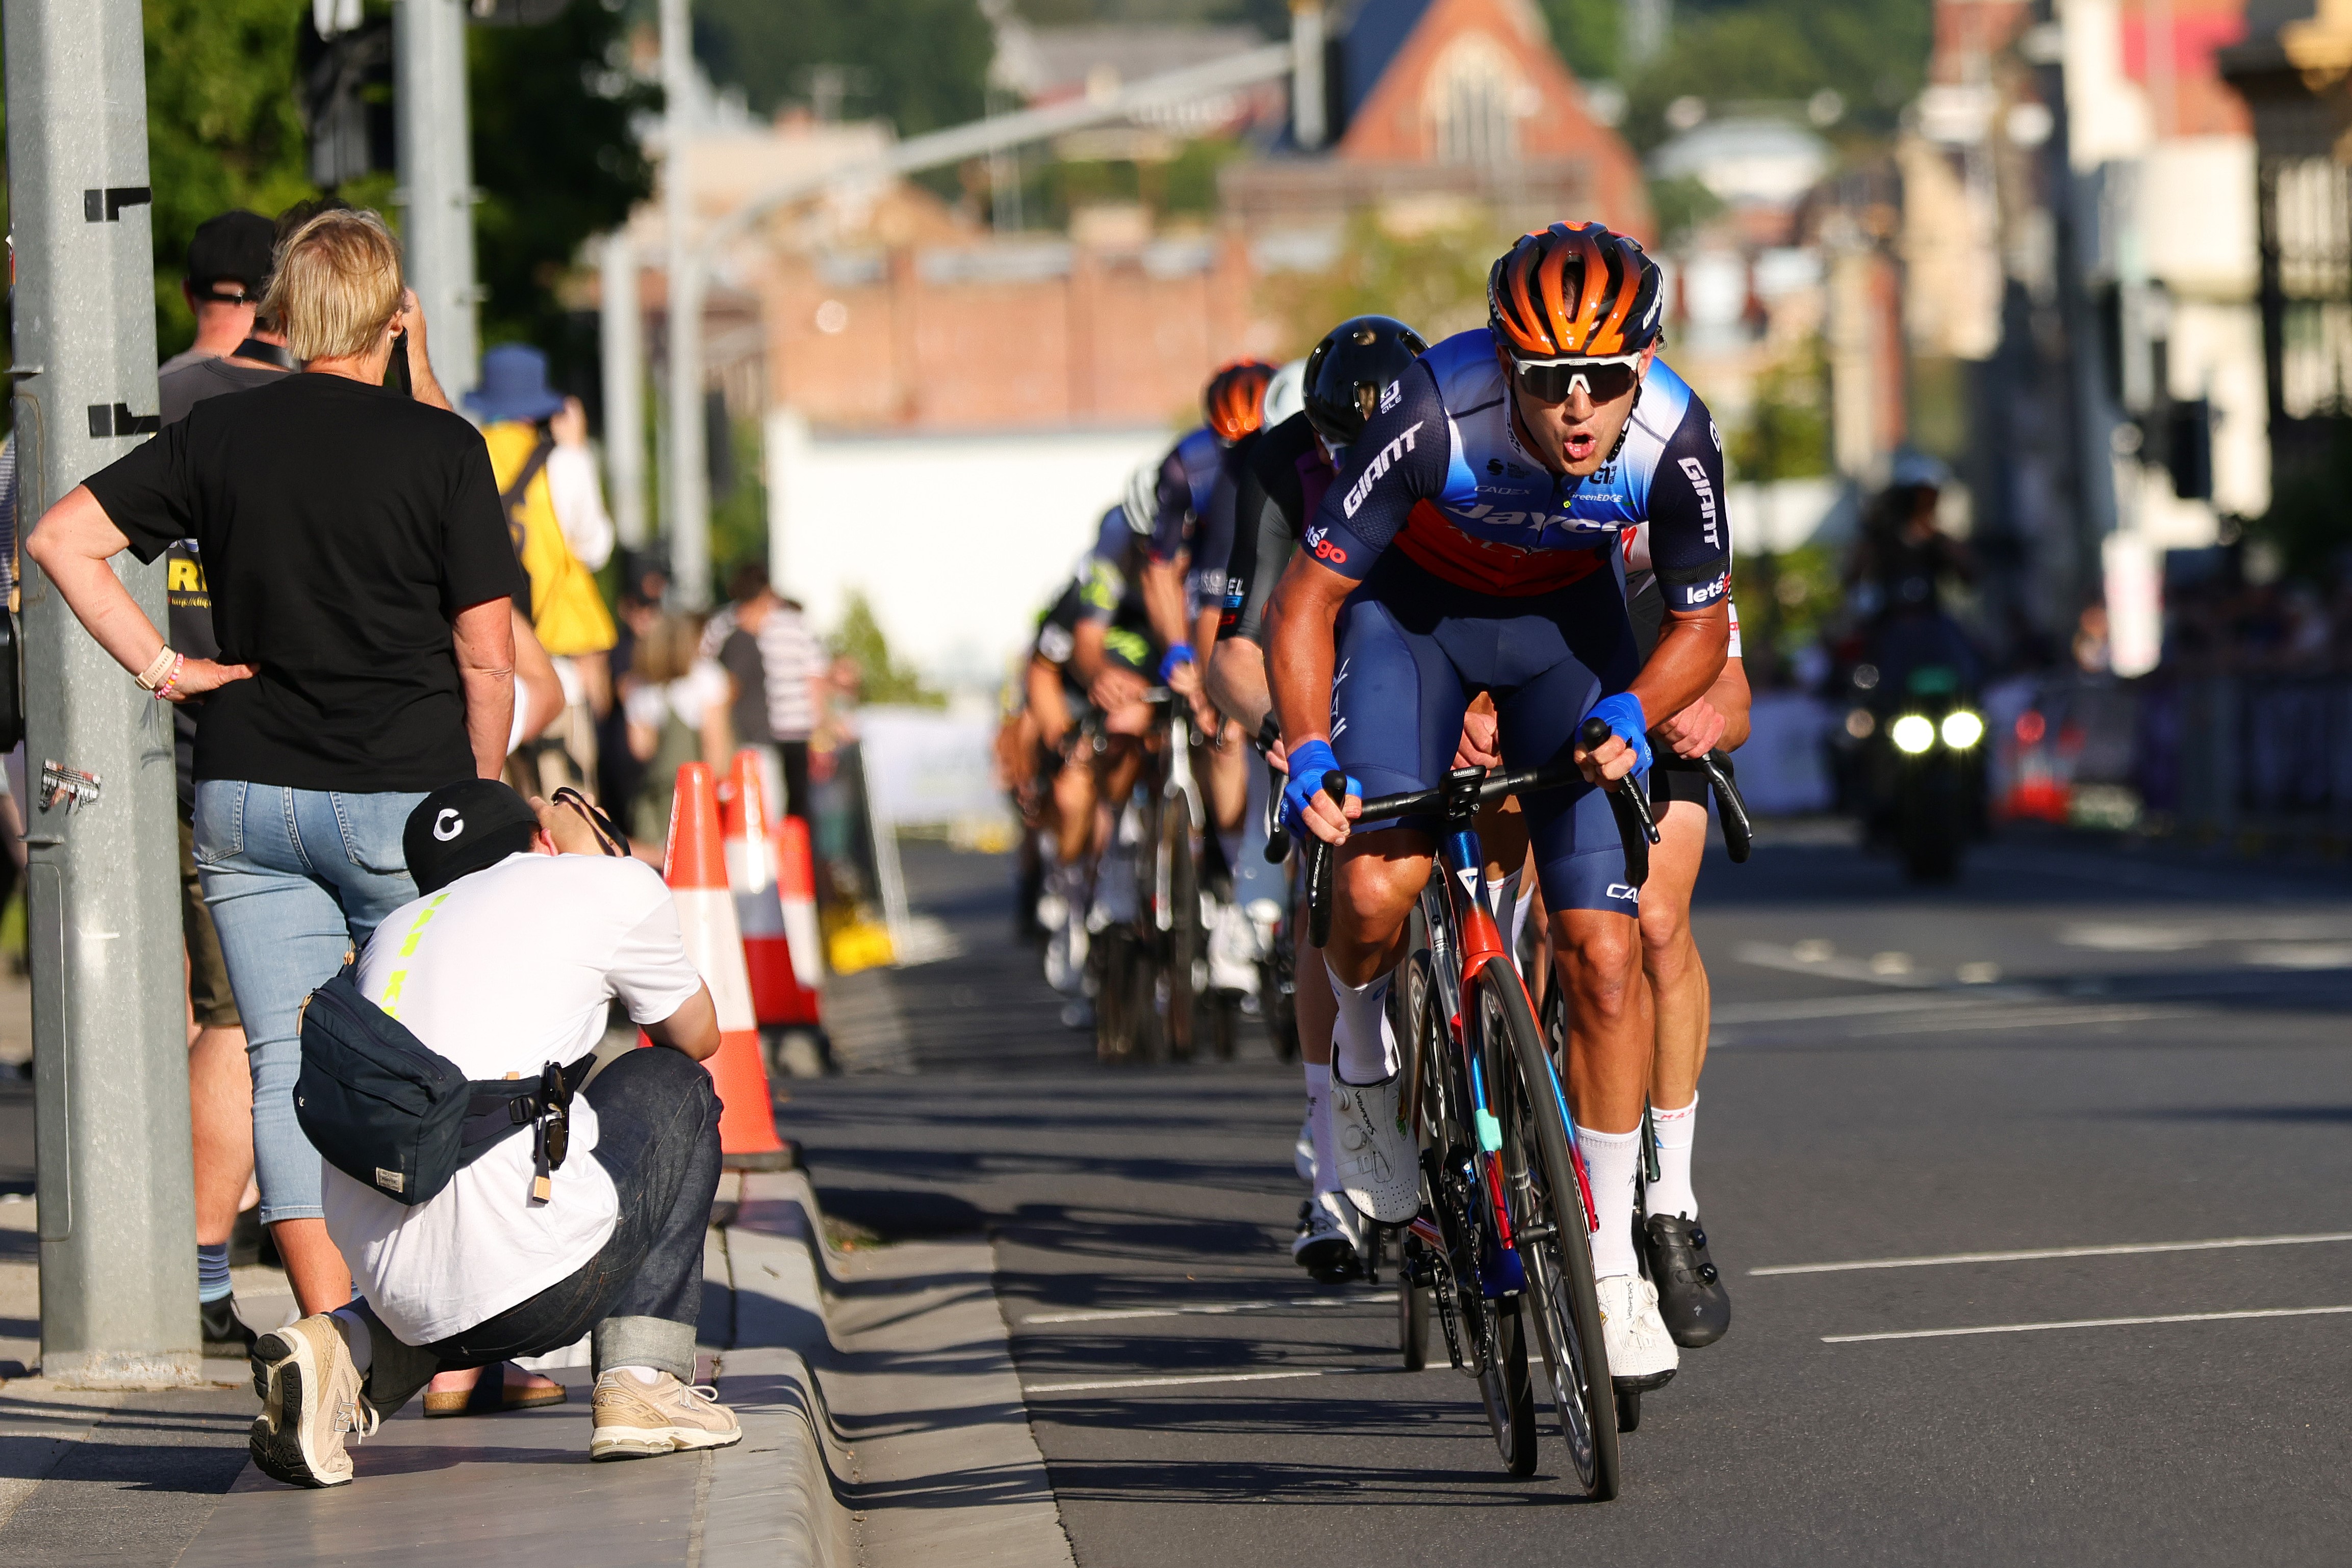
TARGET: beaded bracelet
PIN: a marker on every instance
(164, 686)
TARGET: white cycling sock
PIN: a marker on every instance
(1675, 1130)
(1527, 901)
(644, 1374)
(1319, 1125)
(1501, 893)
(1610, 1162)
(356, 1338)
(1363, 1049)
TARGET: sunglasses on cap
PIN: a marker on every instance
(1555, 380)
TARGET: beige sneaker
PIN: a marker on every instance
(637, 1420)
(310, 1405)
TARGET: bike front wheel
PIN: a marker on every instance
(1547, 1224)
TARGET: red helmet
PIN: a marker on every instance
(1234, 401)
(1583, 291)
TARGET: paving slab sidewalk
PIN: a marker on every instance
(882, 1417)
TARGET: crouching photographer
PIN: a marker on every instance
(490, 1209)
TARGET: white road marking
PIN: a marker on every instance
(2090, 1323)
(1840, 1007)
(1766, 956)
(1384, 1298)
(2221, 1244)
(2031, 1018)
(1181, 1381)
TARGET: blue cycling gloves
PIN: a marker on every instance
(1181, 654)
(1625, 719)
(1308, 762)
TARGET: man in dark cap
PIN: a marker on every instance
(532, 920)
(228, 267)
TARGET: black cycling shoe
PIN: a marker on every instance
(1691, 1296)
(225, 1334)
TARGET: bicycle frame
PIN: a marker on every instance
(1463, 941)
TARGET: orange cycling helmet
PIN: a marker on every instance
(1585, 291)
(1235, 399)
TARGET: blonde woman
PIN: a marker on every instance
(363, 586)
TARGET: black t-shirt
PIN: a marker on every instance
(739, 655)
(343, 528)
(185, 593)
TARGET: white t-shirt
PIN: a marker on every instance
(505, 971)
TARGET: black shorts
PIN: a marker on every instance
(1677, 779)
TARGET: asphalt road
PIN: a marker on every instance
(2074, 1049)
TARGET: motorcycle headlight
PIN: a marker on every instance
(1962, 729)
(1912, 734)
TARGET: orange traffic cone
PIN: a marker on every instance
(696, 868)
(796, 890)
(752, 873)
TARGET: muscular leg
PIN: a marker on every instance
(1074, 807)
(1670, 958)
(220, 1091)
(1610, 1032)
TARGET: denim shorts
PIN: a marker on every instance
(296, 879)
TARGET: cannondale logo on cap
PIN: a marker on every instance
(448, 824)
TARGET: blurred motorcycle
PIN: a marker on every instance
(1914, 753)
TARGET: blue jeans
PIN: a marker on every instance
(295, 879)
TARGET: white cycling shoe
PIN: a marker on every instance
(1330, 1238)
(1233, 950)
(1379, 1166)
(1642, 1353)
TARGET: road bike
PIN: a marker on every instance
(1152, 996)
(1503, 1242)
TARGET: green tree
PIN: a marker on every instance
(919, 64)
(555, 160)
(1787, 432)
(1871, 53)
(1585, 32)
(1434, 280)
(224, 128)
(859, 637)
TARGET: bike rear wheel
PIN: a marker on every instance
(1119, 994)
(1547, 1222)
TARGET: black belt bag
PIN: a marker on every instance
(393, 1113)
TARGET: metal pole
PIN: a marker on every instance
(1307, 106)
(687, 478)
(117, 1231)
(436, 177)
(622, 338)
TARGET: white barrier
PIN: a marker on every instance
(1783, 771)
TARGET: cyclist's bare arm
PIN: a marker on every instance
(1687, 660)
(1046, 701)
(1237, 683)
(1164, 605)
(1717, 719)
(1304, 618)
(1111, 686)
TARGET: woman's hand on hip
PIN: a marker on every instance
(198, 677)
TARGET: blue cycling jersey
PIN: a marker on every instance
(1440, 473)
(1187, 480)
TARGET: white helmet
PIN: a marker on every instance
(1141, 502)
(1286, 394)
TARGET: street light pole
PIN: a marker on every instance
(621, 337)
(683, 487)
(436, 177)
(118, 1229)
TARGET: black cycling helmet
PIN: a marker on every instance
(1349, 367)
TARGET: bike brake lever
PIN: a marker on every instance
(1738, 831)
(1319, 870)
(1277, 835)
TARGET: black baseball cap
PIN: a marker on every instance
(464, 827)
(233, 248)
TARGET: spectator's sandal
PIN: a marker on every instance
(491, 1393)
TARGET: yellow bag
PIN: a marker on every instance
(566, 609)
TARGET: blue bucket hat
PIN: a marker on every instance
(514, 386)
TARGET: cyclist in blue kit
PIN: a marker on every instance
(1467, 545)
